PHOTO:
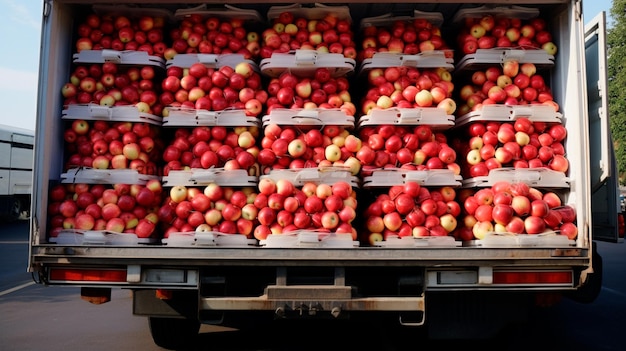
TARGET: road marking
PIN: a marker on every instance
(19, 287)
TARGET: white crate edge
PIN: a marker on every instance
(309, 239)
(432, 116)
(323, 175)
(429, 59)
(397, 176)
(537, 56)
(105, 176)
(125, 57)
(547, 239)
(212, 238)
(410, 242)
(209, 60)
(508, 113)
(308, 117)
(303, 63)
(189, 117)
(95, 112)
(536, 177)
(200, 177)
(98, 237)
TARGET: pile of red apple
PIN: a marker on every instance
(319, 90)
(203, 88)
(120, 208)
(113, 145)
(122, 33)
(283, 207)
(212, 147)
(110, 84)
(328, 34)
(299, 146)
(213, 35)
(223, 209)
(276, 207)
(489, 31)
(515, 208)
(406, 147)
(411, 210)
(519, 144)
(408, 87)
(510, 84)
(402, 37)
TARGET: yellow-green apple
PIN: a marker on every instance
(477, 30)
(448, 222)
(424, 98)
(550, 47)
(447, 104)
(332, 153)
(481, 229)
(296, 148)
(473, 157)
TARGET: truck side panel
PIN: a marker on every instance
(605, 201)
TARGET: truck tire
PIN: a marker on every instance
(591, 289)
(173, 333)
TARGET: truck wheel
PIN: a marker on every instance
(173, 333)
(591, 289)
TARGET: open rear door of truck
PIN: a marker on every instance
(605, 205)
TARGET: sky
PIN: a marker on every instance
(20, 35)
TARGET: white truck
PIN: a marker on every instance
(428, 285)
(16, 171)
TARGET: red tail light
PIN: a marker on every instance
(534, 277)
(91, 275)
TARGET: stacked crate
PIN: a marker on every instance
(215, 31)
(307, 208)
(310, 114)
(228, 103)
(210, 162)
(95, 206)
(407, 105)
(408, 35)
(214, 207)
(124, 28)
(510, 133)
(112, 147)
(325, 29)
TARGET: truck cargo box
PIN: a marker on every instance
(217, 125)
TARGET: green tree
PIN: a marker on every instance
(616, 45)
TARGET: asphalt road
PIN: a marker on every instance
(35, 317)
